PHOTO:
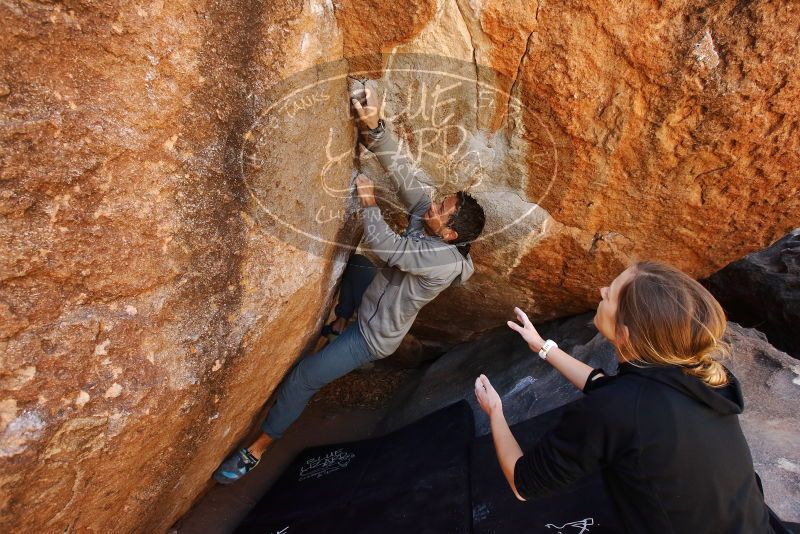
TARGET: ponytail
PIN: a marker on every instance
(709, 371)
(672, 320)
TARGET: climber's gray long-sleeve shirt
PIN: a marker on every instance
(418, 266)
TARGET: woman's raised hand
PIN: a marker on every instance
(487, 396)
(526, 330)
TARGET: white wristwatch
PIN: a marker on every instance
(549, 344)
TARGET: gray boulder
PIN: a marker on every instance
(528, 385)
(771, 420)
(762, 290)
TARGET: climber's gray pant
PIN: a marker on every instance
(347, 352)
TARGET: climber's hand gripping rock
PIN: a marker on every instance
(366, 191)
(368, 115)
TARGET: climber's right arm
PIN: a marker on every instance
(407, 177)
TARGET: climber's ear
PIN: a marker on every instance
(448, 234)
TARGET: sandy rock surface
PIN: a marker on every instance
(600, 133)
(149, 303)
(175, 203)
(771, 386)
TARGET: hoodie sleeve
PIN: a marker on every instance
(423, 258)
(407, 177)
(582, 442)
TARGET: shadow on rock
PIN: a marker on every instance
(528, 385)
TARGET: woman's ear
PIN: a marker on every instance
(621, 336)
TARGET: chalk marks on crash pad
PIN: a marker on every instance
(582, 526)
(324, 465)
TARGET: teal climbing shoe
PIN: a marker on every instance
(235, 467)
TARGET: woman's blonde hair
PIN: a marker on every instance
(672, 320)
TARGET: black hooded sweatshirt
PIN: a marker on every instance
(671, 451)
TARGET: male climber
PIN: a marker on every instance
(420, 263)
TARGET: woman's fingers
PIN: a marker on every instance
(482, 385)
(522, 316)
(485, 383)
(488, 399)
(480, 393)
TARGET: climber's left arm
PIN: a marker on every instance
(409, 178)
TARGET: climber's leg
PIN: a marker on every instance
(356, 278)
(347, 352)
(261, 443)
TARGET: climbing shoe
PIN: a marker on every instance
(329, 332)
(235, 467)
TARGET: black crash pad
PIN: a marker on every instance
(582, 508)
(428, 477)
(414, 479)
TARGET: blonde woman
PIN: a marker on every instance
(663, 431)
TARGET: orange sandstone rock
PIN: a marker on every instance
(174, 219)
